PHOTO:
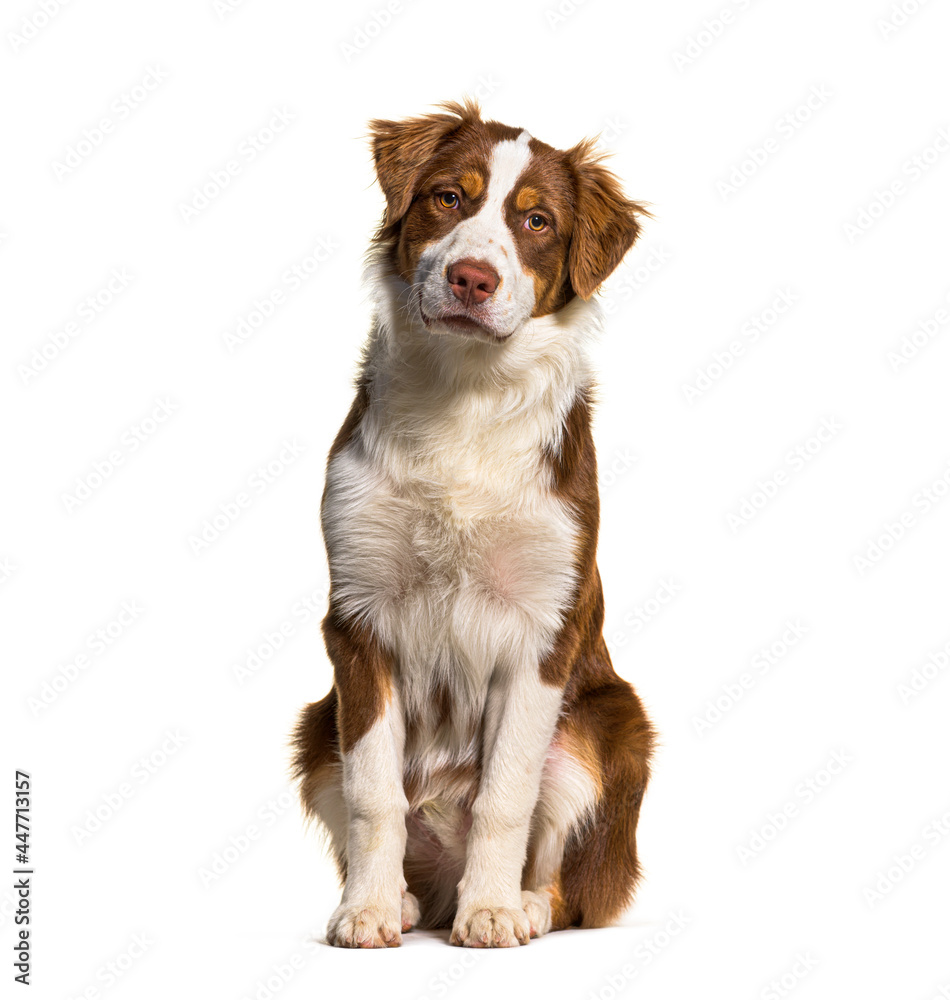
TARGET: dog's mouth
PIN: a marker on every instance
(462, 323)
(465, 325)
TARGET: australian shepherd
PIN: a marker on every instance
(478, 765)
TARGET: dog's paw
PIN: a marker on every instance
(365, 927)
(410, 911)
(491, 927)
(537, 908)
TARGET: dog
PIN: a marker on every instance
(477, 765)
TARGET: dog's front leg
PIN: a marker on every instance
(370, 913)
(519, 725)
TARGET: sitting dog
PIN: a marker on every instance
(477, 764)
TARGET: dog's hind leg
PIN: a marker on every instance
(600, 868)
(317, 768)
(570, 789)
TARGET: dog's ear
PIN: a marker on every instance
(401, 151)
(606, 222)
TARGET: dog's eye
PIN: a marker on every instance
(449, 199)
(536, 223)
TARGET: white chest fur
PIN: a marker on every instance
(442, 528)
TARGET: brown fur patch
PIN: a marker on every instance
(526, 198)
(581, 745)
(351, 422)
(420, 157)
(362, 675)
(560, 915)
(316, 760)
(362, 669)
(456, 782)
(607, 222)
(603, 724)
(546, 188)
(473, 183)
(315, 742)
(573, 471)
(601, 869)
(402, 151)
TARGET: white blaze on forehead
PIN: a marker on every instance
(484, 237)
(508, 162)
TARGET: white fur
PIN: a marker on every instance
(445, 537)
(371, 907)
(328, 803)
(486, 237)
(520, 721)
(442, 530)
(567, 799)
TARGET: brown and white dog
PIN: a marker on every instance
(478, 764)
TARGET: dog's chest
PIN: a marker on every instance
(444, 533)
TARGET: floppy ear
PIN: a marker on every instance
(401, 151)
(606, 223)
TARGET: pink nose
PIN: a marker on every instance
(472, 281)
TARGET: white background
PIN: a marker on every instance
(688, 99)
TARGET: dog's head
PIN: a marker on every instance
(490, 226)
